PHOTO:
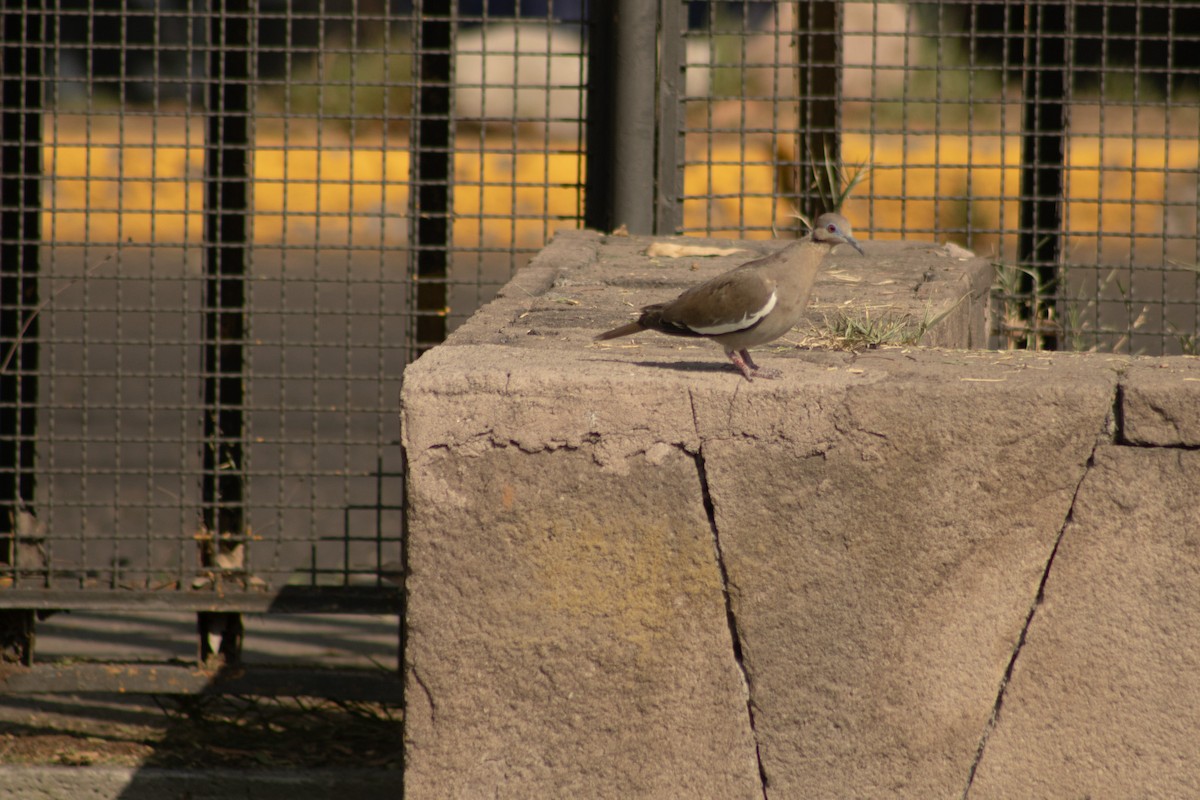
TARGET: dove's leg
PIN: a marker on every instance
(762, 372)
(739, 361)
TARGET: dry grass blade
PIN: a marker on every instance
(42, 306)
(833, 172)
(837, 175)
(860, 330)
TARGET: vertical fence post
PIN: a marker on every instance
(20, 238)
(817, 56)
(431, 173)
(633, 112)
(1043, 154)
(668, 214)
(635, 52)
(622, 104)
(226, 203)
(601, 55)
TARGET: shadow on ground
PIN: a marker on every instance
(210, 731)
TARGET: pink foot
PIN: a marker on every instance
(741, 359)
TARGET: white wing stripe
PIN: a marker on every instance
(742, 324)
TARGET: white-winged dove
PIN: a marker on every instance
(752, 304)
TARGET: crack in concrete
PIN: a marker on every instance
(729, 409)
(412, 669)
(1184, 448)
(730, 615)
(1037, 601)
(1118, 415)
(695, 422)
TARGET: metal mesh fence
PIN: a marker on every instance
(500, 135)
(217, 333)
(226, 226)
(1059, 139)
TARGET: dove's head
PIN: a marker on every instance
(834, 229)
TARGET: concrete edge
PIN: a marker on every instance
(963, 300)
(154, 783)
(567, 249)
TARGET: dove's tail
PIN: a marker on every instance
(624, 330)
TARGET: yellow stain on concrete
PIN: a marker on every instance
(639, 579)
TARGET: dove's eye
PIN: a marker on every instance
(831, 228)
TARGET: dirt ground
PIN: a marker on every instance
(208, 731)
(183, 732)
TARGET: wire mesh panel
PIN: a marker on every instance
(1132, 250)
(516, 132)
(222, 324)
(1058, 138)
(227, 226)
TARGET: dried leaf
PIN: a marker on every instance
(234, 558)
(955, 251)
(28, 526)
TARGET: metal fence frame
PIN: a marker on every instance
(638, 155)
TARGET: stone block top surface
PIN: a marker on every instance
(584, 283)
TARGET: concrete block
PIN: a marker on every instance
(884, 521)
(885, 526)
(607, 540)
(1160, 402)
(1104, 699)
(567, 632)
